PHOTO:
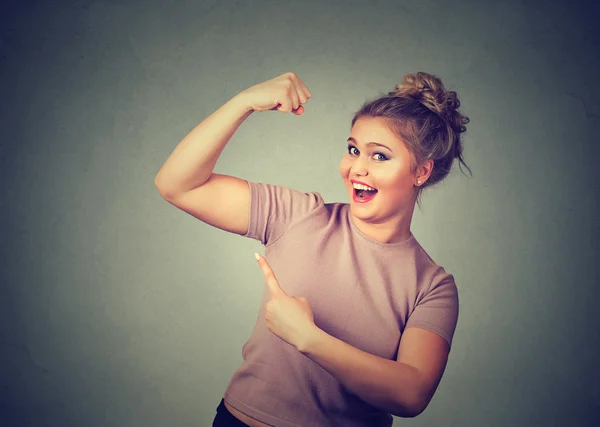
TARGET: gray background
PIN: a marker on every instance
(117, 309)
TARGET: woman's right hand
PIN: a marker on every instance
(285, 93)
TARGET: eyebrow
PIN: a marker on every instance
(369, 144)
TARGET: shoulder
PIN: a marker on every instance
(430, 271)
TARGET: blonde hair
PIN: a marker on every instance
(425, 116)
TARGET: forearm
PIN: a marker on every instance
(193, 160)
(386, 384)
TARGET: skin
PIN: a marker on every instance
(388, 216)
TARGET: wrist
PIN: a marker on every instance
(241, 102)
(310, 339)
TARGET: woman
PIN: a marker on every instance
(380, 313)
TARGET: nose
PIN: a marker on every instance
(359, 167)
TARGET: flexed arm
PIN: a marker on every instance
(193, 160)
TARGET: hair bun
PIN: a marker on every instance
(429, 91)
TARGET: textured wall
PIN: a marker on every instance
(117, 309)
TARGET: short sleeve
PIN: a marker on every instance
(274, 209)
(438, 310)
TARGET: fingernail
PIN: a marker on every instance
(257, 256)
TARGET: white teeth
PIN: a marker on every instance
(362, 187)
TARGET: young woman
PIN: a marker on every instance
(383, 313)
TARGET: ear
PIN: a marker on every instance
(424, 171)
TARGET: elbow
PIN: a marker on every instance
(158, 181)
(420, 405)
(163, 193)
(157, 184)
(413, 407)
(406, 411)
(418, 410)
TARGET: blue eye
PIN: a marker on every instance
(350, 147)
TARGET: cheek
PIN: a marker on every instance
(344, 167)
(398, 183)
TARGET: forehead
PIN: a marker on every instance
(375, 129)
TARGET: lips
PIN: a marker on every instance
(354, 181)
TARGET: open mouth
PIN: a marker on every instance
(364, 195)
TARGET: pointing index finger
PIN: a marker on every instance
(269, 275)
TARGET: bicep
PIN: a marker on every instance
(223, 202)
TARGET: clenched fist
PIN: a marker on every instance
(285, 93)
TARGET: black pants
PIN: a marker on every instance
(225, 418)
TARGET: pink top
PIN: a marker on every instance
(361, 291)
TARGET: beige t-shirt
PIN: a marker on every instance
(361, 291)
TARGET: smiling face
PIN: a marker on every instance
(388, 169)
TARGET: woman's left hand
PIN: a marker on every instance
(290, 318)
